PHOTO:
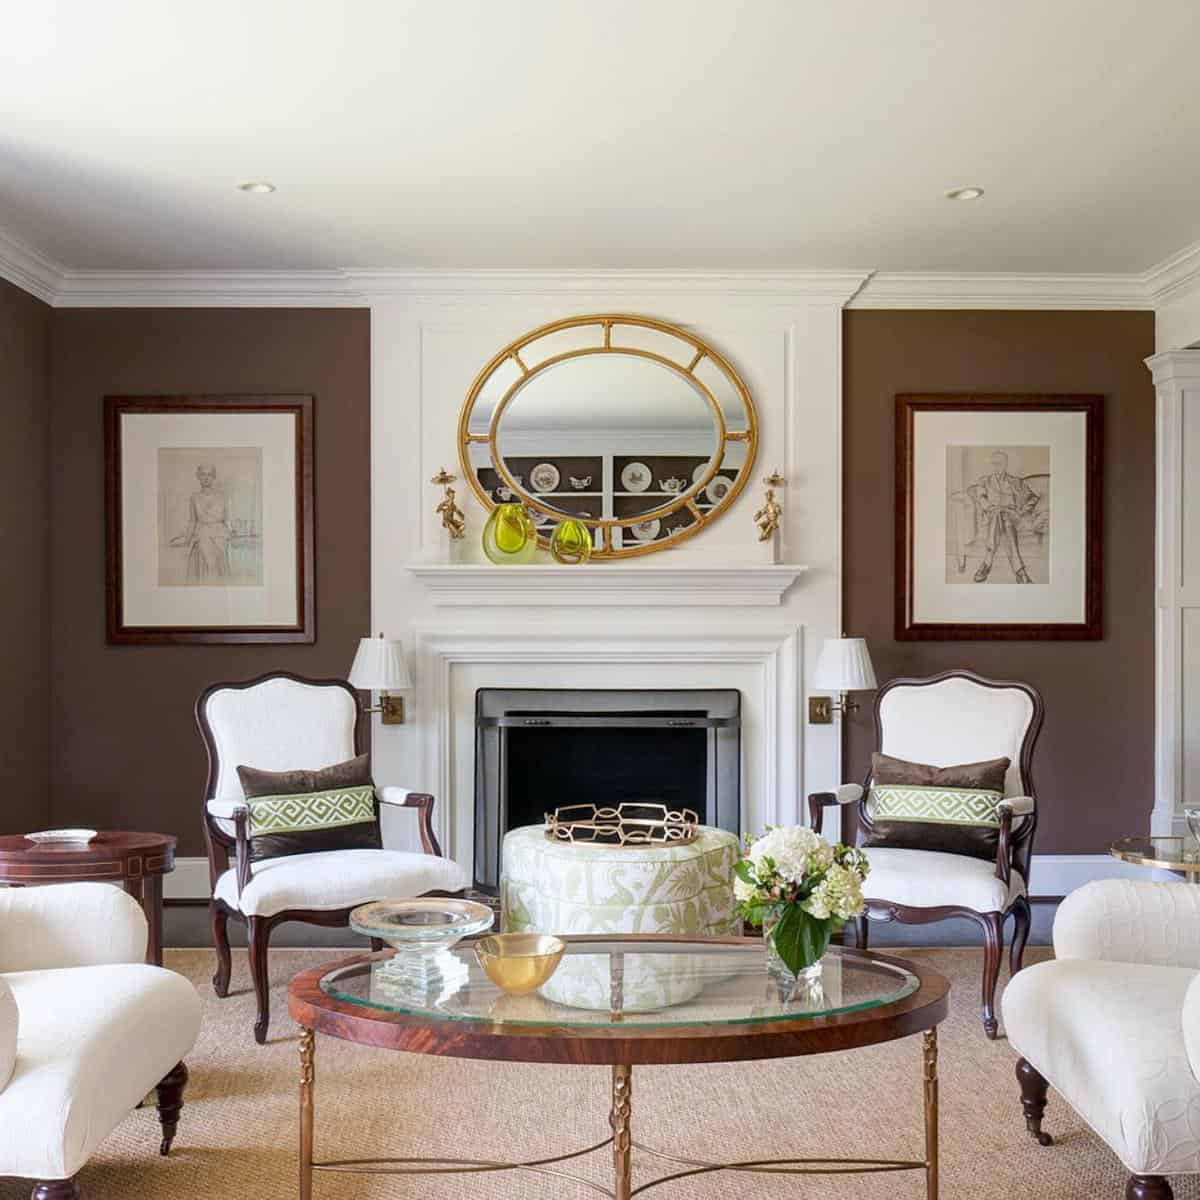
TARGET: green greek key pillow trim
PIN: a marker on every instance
(311, 810)
(936, 805)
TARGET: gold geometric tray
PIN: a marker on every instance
(630, 824)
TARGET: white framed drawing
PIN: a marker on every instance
(209, 519)
(998, 517)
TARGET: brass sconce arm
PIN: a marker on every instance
(391, 708)
(822, 708)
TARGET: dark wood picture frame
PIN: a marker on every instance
(908, 405)
(304, 628)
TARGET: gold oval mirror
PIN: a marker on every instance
(637, 428)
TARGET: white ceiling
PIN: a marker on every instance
(708, 134)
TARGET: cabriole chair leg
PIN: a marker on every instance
(259, 935)
(993, 948)
(1022, 919)
(218, 921)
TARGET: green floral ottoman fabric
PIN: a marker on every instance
(553, 887)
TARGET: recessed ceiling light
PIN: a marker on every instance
(257, 187)
(964, 193)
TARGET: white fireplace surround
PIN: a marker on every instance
(765, 665)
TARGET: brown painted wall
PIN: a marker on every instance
(126, 751)
(24, 525)
(1094, 763)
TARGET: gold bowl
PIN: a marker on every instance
(519, 962)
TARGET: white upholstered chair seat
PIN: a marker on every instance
(92, 1042)
(337, 879)
(1109, 1037)
(931, 879)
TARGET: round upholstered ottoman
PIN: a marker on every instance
(557, 887)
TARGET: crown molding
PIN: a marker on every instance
(352, 287)
(28, 269)
(207, 289)
(1171, 278)
(951, 289)
(65, 287)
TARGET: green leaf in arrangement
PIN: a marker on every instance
(744, 871)
(800, 939)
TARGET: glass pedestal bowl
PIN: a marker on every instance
(420, 931)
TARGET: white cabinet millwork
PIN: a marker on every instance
(1177, 589)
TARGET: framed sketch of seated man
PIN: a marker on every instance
(998, 516)
(209, 519)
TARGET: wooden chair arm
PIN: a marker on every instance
(423, 802)
(1003, 847)
(241, 826)
(848, 793)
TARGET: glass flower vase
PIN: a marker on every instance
(509, 535)
(809, 973)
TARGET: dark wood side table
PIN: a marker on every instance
(137, 861)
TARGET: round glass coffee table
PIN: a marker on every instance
(1178, 854)
(624, 1002)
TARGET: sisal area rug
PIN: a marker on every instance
(237, 1135)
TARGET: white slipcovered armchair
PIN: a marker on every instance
(285, 722)
(1113, 1023)
(87, 1029)
(944, 720)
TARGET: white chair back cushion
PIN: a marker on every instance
(278, 725)
(957, 721)
(8, 1034)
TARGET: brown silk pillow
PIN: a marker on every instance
(965, 785)
(346, 778)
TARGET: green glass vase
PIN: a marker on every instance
(571, 542)
(509, 536)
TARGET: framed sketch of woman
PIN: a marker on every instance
(209, 519)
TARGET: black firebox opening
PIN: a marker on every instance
(551, 768)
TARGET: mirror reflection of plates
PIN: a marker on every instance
(646, 531)
(635, 477)
(698, 473)
(718, 489)
(544, 477)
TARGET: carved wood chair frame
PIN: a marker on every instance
(220, 843)
(1014, 849)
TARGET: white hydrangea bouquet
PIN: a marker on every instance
(800, 889)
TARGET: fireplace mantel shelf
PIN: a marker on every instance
(758, 585)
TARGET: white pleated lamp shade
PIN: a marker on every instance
(379, 666)
(845, 666)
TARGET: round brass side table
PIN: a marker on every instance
(1178, 854)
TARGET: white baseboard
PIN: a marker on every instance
(1053, 875)
(189, 880)
(1060, 874)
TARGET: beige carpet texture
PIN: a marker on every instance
(238, 1132)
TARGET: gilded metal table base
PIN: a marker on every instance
(623, 1145)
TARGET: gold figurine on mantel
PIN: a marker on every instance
(770, 516)
(454, 522)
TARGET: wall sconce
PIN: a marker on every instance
(379, 665)
(844, 666)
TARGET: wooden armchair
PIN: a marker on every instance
(955, 717)
(281, 722)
